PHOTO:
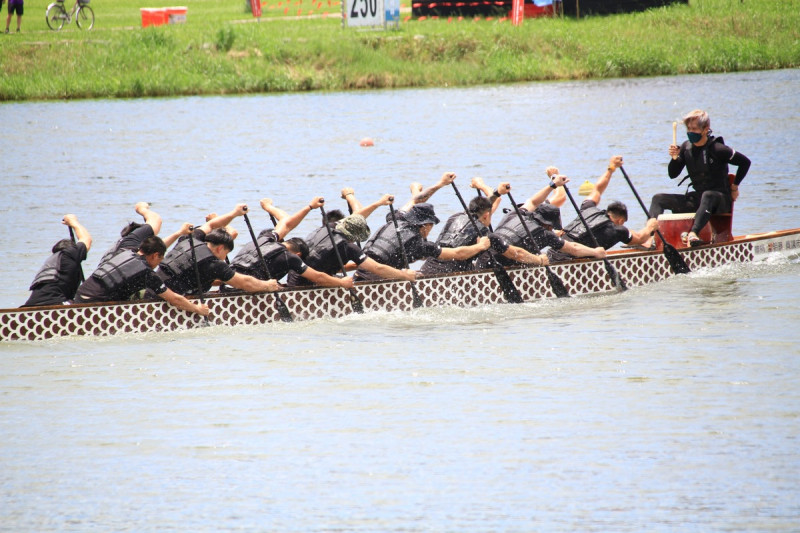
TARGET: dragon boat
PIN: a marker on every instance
(465, 289)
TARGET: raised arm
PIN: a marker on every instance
(287, 224)
(150, 217)
(275, 212)
(220, 221)
(81, 233)
(365, 212)
(353, 205)
(559, 180)
(560, 195)
(602, 182)
(446, 179)
(185, 228)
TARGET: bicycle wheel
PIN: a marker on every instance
(84, 18)
(55, 16)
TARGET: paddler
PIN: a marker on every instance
(126, 273)
(204, 256)
(281, 256)
(541, 219)
(60, 276)
(134, 233)
(706, 159)
(414, 227)
(459, 231)
(607, 225)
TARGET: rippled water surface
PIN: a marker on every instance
(671, 407)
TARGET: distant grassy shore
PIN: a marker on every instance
(219, 50)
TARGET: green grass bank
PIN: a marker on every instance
(221, 50)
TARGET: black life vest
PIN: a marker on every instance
(179, 259)
(596, 218)
(247, 259)
(121, 270)
(384, 247)
(321, 255)
(705, 172)
(512, 231)
(50, 271)
(459, 231)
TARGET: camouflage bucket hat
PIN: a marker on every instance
(354, 228)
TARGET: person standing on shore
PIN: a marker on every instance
(14, 6)
(706, 159)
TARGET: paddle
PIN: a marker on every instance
(674, 258)
(355, 301)
(555, 282)
(509, 290)
(197, 271)
(414, 293)
(71, 234)
(286, 316)
(612, 273)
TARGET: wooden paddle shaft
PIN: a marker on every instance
(675, 136)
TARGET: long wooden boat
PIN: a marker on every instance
(581, 277)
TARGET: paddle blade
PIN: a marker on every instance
(415, 295)
(615, 277)
(556, 284)
(355, 301)
(512, 295)
(675, 260)
(283, 311)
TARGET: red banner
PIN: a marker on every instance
(255, 5)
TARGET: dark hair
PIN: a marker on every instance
(153, 245)
(129, 228)
(335, 215)
(618, 208)
(63, 244)
(479, 205)
(296, 244)
(221, 236)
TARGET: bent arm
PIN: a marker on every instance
(641, 236)
(742, 163)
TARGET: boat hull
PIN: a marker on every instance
(581, 277)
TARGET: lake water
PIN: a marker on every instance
(671, 407)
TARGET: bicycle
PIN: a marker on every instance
(56, 16)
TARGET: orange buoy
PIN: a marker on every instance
(366, 141)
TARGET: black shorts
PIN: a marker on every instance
(15, 8)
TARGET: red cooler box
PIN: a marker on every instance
(153, 16)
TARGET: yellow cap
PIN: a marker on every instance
(586, 189)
